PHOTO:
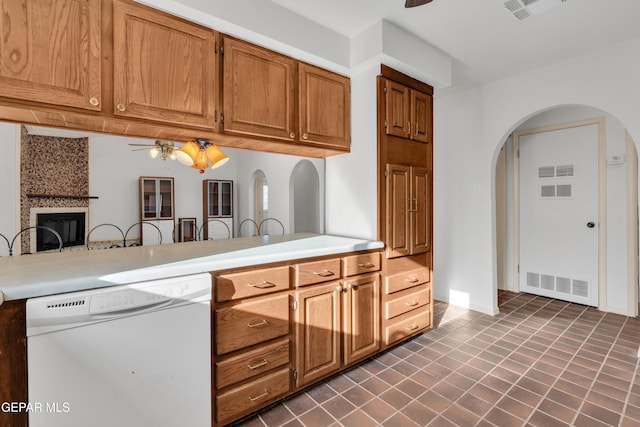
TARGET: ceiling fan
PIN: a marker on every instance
(414, 3)
(163, 148)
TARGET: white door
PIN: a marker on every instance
(558, 214)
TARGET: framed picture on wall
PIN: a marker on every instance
(187, 229)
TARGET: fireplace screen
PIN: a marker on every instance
(70, 226)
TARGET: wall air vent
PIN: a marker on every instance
(523, 9)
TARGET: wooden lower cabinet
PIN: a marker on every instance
(336, 325)
(276, 333)
(13, 361)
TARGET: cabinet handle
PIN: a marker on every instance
(413, 280)
(413, 327)
(262, 285)
(94, 101)
(261, 395)
(120, 107)
(354, 287)
(256, 325)
(324, 273)
(366, 265)
(305, 136)
(292, 135)
(411, 303)
(260, 364)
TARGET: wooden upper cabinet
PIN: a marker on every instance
(164, 68)
(325, 105)
(408, 112)
(421, 116)
(258, 91)
(397, 101)
(50, 52)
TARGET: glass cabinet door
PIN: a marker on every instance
(156, 198)
(219, 198)
(165, 198)
(149, 203)
(225, 199)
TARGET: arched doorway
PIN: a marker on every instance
(618, 190)
(304, 188)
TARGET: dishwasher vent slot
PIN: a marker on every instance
(74, 303)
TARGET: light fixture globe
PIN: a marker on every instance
(216, 157)
(187, 153)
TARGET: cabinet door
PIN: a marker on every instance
(361, 329)
(164, 67)
(149, 192)
(420, 116)
(258, 91)
(398, 195)
(397, 101)
(50, 52)
(165, 198)
(318, 332)
(325, 107)
(421, 212)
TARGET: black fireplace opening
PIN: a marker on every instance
(69, 225)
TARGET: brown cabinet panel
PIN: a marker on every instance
(251, 283)
(361, 333)
(405, 280)
(252, 363)
(251, 323)
(361, 263)
(50, 52)
(324, 103)
(421, 221)
(249, 397)
(258, 91)
(407, 300)
(13, 360)
(164, 68)
(398, 201)
(421, 116)
(311, 273)
(398, 116)
(318, 332)
(408, 324)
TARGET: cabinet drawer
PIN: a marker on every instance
(251, 323)
(310, 273)
(251, 363)
(363, 263)
(249, 397)
(251, 283)
(407, 300)
(405, 280)
(408, 324)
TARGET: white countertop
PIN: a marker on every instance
(29, 276)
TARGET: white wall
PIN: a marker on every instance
(471, 126)
(9, 185)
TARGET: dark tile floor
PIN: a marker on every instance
(540, 362)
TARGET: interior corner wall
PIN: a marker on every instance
(10, 179)
(351, 179)
(469, 129)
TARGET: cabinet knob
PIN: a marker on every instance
(292, 135)
(120, 107)
(305, 136)
(339, 288)
(94, 101)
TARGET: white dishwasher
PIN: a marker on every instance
(127, 356)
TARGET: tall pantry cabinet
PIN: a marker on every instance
(405, 165)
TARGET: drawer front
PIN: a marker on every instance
(407, 300)
(310, 273)
(251, 323)
(401, 281)
(363, 263)
(249, 397)
(251, 283)
(252, 363)
(407, 325)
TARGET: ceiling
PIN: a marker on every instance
(484, 39)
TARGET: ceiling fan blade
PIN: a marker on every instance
(414, 3)
(142, 145)
(140, 149)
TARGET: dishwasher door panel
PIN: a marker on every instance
(148, 370)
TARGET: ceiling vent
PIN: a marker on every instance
(523, 9)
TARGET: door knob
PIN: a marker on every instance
(591, 224)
